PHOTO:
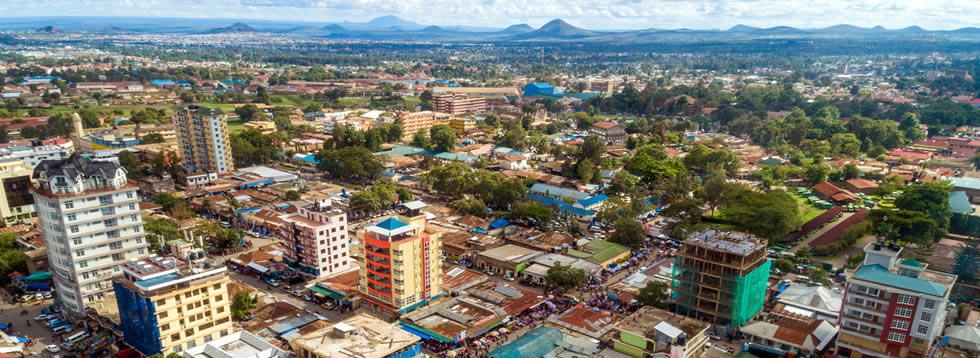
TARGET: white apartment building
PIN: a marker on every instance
(90, 219)
(892, 308)
(34, 154)
(316, 241)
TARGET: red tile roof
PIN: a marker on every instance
(832, 191)
(605, 124)
(862, 183)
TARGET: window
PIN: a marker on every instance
(896, 337)
(76, 241)
(83, 264)
(922, 329)
(105, 199)
(929, 304)
(903, 312)
(71, 217)
(926, 316)
(108, 211)
(900, 324)
(906, 299)
(872, 291)
(162, 314)
(175, 337)
(217, 298)
(73, 228)
(132, 206)
(69, 205)
(129, 195)
(115, 245)
(79, 252)
(220, 309)
(110, 222)
(859, 301)
(852, 325)
(165, 327)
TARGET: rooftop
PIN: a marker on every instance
(880, 275)
(733, 242)
(359, 336)
(236, 345)
(391, 227)
(509, 253)
(644, 320)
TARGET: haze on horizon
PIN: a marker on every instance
(589, 14)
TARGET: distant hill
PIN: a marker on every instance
(517, 29)
(392, 22)
(556, 29)
(333, 28)
(237, 27)
(743, 29)
(843, 29)
(49, 29)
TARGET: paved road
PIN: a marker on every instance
(277, 294)
(822, 230)
(37, 330)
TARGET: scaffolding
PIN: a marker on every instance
(720, 277)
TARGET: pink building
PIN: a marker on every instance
(315, 240)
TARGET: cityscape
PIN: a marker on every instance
(261, 181)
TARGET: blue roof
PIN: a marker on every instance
(452, 156)
(158, 280)
(390, 224)
(162, 82)
(402, 150)
(540, 85)
(560, 192)
(967, 183)
(960, 203)
(560, 206)
(878, 274)
(499, 223)
(593, 200)
(505, 150)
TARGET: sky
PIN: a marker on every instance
(590, 14)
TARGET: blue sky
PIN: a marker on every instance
(592, 14)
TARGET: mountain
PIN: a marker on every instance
(49, 29)
(517, 29)
(333, 28)
(303, 30)
(115, 30)
(743, 29)
(556, 29)
(843, 29)
(392, 22)
(912, 30)
(236, 27)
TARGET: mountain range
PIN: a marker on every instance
(390, 28)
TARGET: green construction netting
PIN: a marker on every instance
(749, 294)
(537, 343)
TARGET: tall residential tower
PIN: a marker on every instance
(91, 223)
(316, 240)
(203, 137)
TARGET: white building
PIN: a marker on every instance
(90, 219)
(316, 240)
(235, 345)
(33, 154)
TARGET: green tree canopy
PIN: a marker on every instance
(654, 294)
(565, 276)
(629, 233)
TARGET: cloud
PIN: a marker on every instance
(606, 14)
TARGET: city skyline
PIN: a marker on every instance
(613, 15)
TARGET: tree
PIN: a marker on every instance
(966, 264)
(817, 173)
(247, 112)
(803, 256)
(443, 137)
(421, 140)
(312, 107)
(11, 256)
(470, 206)
(132, 163)
(771, 215)
(845, 145)
(931, 198)
(403, 194)
(152, 138)
(819, 276)
(530, 211)
(159, 231)
(492, 120)
(349, 163)
(851, 171)
(426, 96)
(565, 277)
(784, 265)
(90, 118)
(586, 169)
(629, 233)
(293, 195)
(242, 305)
(654, 294)
(165, 200)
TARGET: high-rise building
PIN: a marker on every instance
(16, 202)
(892, 308)
(458, 104)
(203, 137)
(400, 263)
(316, 241)
(90, 219)
(721, 277)
(413, 122)
(168, 307)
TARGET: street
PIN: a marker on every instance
(277, 293)
(10, 315)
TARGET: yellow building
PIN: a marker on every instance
(400, 263)
(413, 122)
(461, 125)
(167, 307)
(16, 202)
(265, 127)
(202, 134)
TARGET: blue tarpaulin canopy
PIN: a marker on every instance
(37, 276)
(499, 223)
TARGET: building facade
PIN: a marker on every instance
(401, 263)
(609, 131)
(167, 307)
(720, 277)
(202, 134)
(413, 122)
(892, 308)
(458, 104)
(16, 201)
(316, 241)
(37, 151)
(90, 218)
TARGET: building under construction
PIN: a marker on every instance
(720, 277)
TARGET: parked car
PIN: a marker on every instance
(488, 272)
(509, 277)
(48, 295)
(43, 317)
(52, 348)
(287, 289)
(62, 329)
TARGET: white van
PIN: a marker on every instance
(77, 337)
(62, 329)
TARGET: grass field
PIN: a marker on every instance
(236, 126)
(807, 211)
